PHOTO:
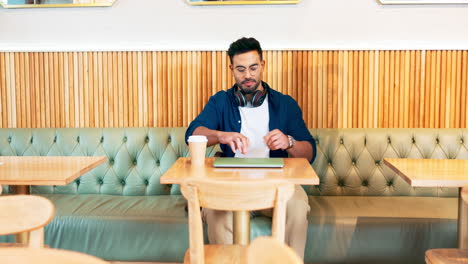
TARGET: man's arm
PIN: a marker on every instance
(276, 139)
(301, 149)
(235, 140)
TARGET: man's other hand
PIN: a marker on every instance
(275, 139)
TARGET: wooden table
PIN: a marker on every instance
(295, 170)
(23, 171)
(437, 173)
(45, 256)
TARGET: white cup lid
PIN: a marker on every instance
(197, 139)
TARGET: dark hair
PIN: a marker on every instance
(244, 45)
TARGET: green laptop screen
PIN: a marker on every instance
(248, 163)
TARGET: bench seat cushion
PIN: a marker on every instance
(371, 229)
(355, 229)
(125, 228)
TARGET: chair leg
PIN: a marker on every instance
(197, 254)
(284, 193)
(36, 238)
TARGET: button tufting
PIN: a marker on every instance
(316, 141)
(31, 140)
(102, 139)
(55, 139)
(134, 162)
(125, 139)
(78, 139)
(100, 181)
(122, 182)
(158, 162)
(341, 141)
(461, 141)
(353, 162)
(169, 139)
(437, 140)
(111, 161)
(147, 139)
(389, 140)
(341, 183)
(365, 183)
(330, 162)
(146, 182)
(77, 182)
(9, 139)
(389, 183)
(413, 140)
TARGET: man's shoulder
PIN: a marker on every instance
(220, 95)
(282, 97)
(221, 99)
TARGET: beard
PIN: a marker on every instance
(248, 89)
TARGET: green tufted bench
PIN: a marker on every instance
(361, 212)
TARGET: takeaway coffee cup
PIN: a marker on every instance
(197, 149)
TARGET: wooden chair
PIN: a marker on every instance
(447, 256)
(231, 196)
(25, 213)
(45, 256)
(267, 250)
(450, 255)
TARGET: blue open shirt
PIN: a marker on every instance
(222, 113)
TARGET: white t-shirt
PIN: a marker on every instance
(255, 125)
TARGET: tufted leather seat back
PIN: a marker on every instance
(349, 161)
(137, 157)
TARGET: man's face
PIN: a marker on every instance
(247, 69)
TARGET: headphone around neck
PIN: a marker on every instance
(257, 99)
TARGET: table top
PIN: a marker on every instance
(431, 172)
(45, 256)
(295, 170)
(45, 170)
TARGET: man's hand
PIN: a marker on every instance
(235, 140)
(275, 139)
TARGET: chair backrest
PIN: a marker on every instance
(234, 196)
(447, 256)
(267, 250)
(26, 213)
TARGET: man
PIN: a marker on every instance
(253, 120)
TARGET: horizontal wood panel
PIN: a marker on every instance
(335, 89)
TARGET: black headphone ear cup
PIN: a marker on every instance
(241, 100)
(255, 98)
(258, 98)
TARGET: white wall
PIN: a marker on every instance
(175, 25)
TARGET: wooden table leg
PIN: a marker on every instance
(22, 238)
(241, 227)
(21, 189)
(462, 222)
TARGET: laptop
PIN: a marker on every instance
(248, 163)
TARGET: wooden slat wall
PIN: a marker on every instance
(335, 89)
